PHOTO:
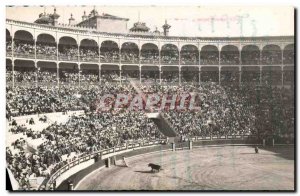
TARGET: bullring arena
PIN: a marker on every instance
(196, 107)
(204, 168)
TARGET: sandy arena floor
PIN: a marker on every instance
(204, 168)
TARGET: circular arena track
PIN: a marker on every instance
(204, 168)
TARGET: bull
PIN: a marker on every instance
(154, 167)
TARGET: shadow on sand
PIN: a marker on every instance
(286, 152)
(121, 166)
(247, 153)
(145, 172)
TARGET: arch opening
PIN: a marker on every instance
(68, 73)
(149, 54)
(289, 54)
(46, 47)
(210, 74)
(250, 55)
(129, 53)
(23, 44)
(209, 55)
(230, 55)
(190, 74)
(271, 75)
(288, 76)
(189, 55)
(67, 49)
(169, 55)
(89, 51)
(271, 55)
(230, 76)
(89, 74)
(250, 75)
(47, 73)
(109, 52)
(9, 73)
(24, 73)
(8, 43)
(150, 74)
(130, 71)
(170, 74)
(110, 73)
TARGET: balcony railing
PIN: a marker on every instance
(24, 55)
(46, 56)
(94, 59)
(133, 61)
(116, 60)
(8, 53)
(184, 62)
(209, 62)
(150, 61)
(68, 58)
(170, 62)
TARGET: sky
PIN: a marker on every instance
(199, 21)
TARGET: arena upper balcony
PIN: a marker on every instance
(81, 45)
(69, 47)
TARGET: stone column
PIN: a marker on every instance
(173, 147)
(190, 144)
(57, 73)
(13, 73)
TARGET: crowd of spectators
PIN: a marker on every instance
(89, 54)
(9, 76)
(8, 47)
(25, 100)
(272, 77)
(149, 56)
(210, 76)
(289, 57)
(230, 58)
(70, 77)
(226, 109)
(26, 75)
(222, 112)
(190, 76)
(24, 48)
(150, 76)
(109, 55)
(169, 55)
(110, 75)
(209, 58)
(68, 52)
(251, 76)
(88, 77)
(131, 74)
(272, 57)
(170, 77)
(250, 57)
(189, 57)
(230, 77)
(47, 77)
(130, 56)
(46, 50)
(274, 109)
